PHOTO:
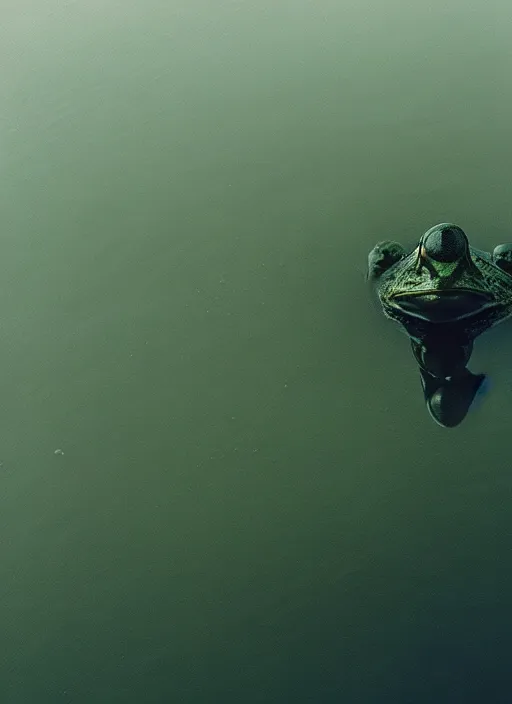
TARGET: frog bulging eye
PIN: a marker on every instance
(444, 244)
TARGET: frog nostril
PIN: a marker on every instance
(446, 244)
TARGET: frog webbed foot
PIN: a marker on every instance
(383, 256)
(502, 257)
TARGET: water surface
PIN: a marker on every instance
(218, 479)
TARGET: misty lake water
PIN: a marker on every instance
(219, 482)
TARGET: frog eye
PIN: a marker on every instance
(444, 243)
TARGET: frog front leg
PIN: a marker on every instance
(383, 256)
(502, 257)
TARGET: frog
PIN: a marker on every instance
(443, 294)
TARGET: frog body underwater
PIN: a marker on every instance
(444, 294)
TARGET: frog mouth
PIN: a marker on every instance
(443, 305)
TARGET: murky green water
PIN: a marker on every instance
(218, 481)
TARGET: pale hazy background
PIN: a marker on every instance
(218, 480)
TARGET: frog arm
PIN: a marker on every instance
(502, 257)
(383, 256)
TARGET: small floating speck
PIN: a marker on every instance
(58, 451)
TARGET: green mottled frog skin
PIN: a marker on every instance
(443, 293)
